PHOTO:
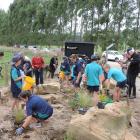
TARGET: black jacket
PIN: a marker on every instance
(134, 65)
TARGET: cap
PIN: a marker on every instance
(94, 57)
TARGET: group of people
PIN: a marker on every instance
(95, 74)
(76, 70)
(37, 109)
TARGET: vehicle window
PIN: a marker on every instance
(116, 53)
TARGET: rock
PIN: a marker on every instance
(108, 124)
(51, 87)
(129, 136)
(52, 98)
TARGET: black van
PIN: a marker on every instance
(80, 48)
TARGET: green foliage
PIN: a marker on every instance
(19, 115)
(68, 137)
(52, 22)
(81, 100)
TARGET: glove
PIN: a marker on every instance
(19, 131)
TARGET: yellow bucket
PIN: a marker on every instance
(28, 83)
(62, 75)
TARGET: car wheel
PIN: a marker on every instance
(116, 59)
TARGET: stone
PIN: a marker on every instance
(52, 98)
(49, 88)
(129, 136)
(100, 124)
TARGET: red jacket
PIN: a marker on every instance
(37, 62)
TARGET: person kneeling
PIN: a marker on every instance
(37, 109)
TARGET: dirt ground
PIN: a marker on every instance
(58, 124)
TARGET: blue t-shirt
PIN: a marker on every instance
(116, 74)
(65, 66)
(78, 68)
(92, 72)
(15, 75)
(36, 104)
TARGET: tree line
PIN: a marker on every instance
(52, 22)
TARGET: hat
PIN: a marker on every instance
(16, 58)
(94, 57)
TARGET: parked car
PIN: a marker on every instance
(32, 47)
(45, 50)
(113, 55)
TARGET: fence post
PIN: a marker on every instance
(6, 74)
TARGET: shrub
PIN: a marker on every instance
(81, 100)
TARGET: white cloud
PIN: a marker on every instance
(4, 4)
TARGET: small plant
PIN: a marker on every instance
(68, 137)
(81, 100)
(84, 100)
(19, 116)
(73, 103)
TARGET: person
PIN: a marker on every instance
(77, 70)
(37, 65)
(37, 110)
(53, 65)
(118, 75)
(133, 70)
(25, 65)
(16, 80)
(65, 68)
(94, 77)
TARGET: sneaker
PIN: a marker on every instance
(35, 125)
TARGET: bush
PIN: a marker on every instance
(81, 100)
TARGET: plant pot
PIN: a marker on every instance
(82, 111)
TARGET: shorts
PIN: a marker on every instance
(93, 88)
(121, 84)
(41, 116)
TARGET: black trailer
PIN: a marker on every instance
(80, 48)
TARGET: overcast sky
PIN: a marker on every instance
(4, 4)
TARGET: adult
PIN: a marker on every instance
(16, 80)
(37, 65)
(53, 65)
(37, 109)
(133, 70)
(77, 70)
(94, 76)
(119, 77)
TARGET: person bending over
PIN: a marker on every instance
(119, 77)
(37, 109)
